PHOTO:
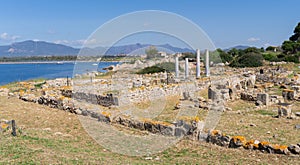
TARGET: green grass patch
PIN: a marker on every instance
(265, 112)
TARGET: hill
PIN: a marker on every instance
(42, 48)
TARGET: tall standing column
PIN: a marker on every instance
(198, 64)
(207, 63)
(176, 67)
(186, 68)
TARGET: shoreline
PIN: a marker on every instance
(52, 62)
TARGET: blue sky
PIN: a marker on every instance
(228, 23)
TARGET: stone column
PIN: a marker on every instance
(198, 64)
(186, 68)
(176, 67)
(207, 63)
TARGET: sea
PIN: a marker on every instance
(15, 72)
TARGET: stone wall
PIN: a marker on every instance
(106, 101)
(221, 139)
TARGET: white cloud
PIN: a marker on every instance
(7, 37)
(4, 36)
(87, 43)
(51, 32)
(253, 39)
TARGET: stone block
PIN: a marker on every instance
(263, 97)
(295, 149)
(237, 141)
(288, 94)
(179, 132)
(284, 110)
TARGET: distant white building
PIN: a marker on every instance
(162, 54)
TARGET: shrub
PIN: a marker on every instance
(248, 60)
(270, 57)
(151, 69)
(161, 67)
(167, 66)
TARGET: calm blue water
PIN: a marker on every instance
(20, 72)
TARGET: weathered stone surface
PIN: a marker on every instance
(179, 132)
(186, 95)
(278, 149)
(78, 111)
(106, 101)
(284, 110)
(295, 149)
(137, 124)
(288, 94)
(4, 91)
(264, 98)
(151, 127)
(237, 141)
(252, 144)
(213, 94)
(29, 98)
(216, 137)
(85, 113)
(247, 97)
(103, 118)
(166, 130)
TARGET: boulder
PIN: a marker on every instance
(237, 141)
(4, 91)
(278, 149)
(284, 110)
(264, 98)
(179, 132)
(295, 149)
(216, 137)
(288, 94)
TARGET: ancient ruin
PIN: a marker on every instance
(120, 98)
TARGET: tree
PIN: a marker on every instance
(296, 36)
(252, 50)
(225, 57)
(233, 52)
(271, 48)
(288, 47)
(151, 52)
(292, 46)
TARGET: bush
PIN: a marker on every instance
(162, 67)
(151, 69)
(248, 60)
(270, 57)
(292, 58)
(167, 66)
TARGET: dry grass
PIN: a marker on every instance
(266, 126)
(52, 136)
(169, 113)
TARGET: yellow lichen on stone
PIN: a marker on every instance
(288, 90)
(146, 120)
(279, 147)
(264, 143)
(196, 119)
(106, 114)
(239, 138)
(4, 125)
(215, 132)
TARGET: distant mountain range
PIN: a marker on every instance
(42, 48)
(242, 47)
